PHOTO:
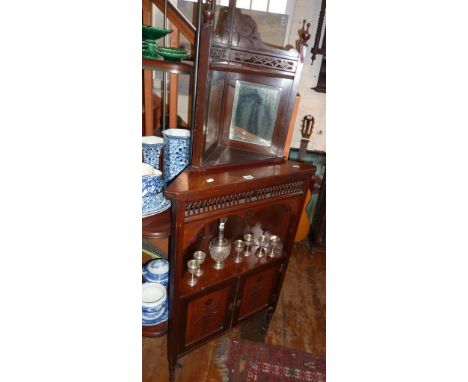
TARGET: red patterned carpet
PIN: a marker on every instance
(249, 361)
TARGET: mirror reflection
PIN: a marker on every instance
(254, 113)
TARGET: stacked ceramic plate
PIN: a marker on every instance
(171, 54)
(154, 207)
(156, 271)
(154, 304)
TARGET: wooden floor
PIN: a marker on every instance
(298, 323)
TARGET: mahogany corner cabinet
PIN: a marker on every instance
(259, 200)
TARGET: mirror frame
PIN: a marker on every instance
(239, 51)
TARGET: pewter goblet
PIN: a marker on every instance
(248, 239)
(274, 241)
(262, 243)
(193, 265)
(200, 256)
(238, 246)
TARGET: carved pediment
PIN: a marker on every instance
(239, 30)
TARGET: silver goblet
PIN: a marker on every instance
(262, 243)
(238, 246)
(248, 239)
(193, 265)
(274, 241)
(200, 256)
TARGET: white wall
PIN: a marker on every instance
(312, 102)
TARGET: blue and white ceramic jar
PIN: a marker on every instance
(154, 303)
(152, 191)
(152, 147)
(176, 152)
(157, 271)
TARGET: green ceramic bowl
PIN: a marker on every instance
(172, 54)
(151, 33)
(150, 50)
(147, 56)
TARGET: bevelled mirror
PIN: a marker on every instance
(245, 118)
(254, 113)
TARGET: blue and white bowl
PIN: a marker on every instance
(149, 319)
(152, 315)
(154, 301)
(152, 204)
(155, 321)
(156, 271)
(151, 180)
(152, 184)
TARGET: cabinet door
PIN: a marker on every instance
(257, 291)
(208, 314)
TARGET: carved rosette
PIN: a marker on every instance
(209, 311)
(219, 54)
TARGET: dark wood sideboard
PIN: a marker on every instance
(271, 201)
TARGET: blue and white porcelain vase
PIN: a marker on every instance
(176, 152)
(152, 147)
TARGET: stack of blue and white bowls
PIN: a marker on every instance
(155, 303)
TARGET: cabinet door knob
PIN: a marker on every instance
(231, 306)
(238, 303)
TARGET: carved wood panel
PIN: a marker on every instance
(244, 198)
(208, 314)
(219, 53)
(257, 291)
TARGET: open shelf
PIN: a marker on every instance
(157, 226)
(168, 66)
(155, 330)
(213, 276)
(234, 157)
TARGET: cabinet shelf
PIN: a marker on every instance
(157, 226)
(212, 276)
(155, 330)
(183, 67)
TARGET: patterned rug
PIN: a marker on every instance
(248, 361)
